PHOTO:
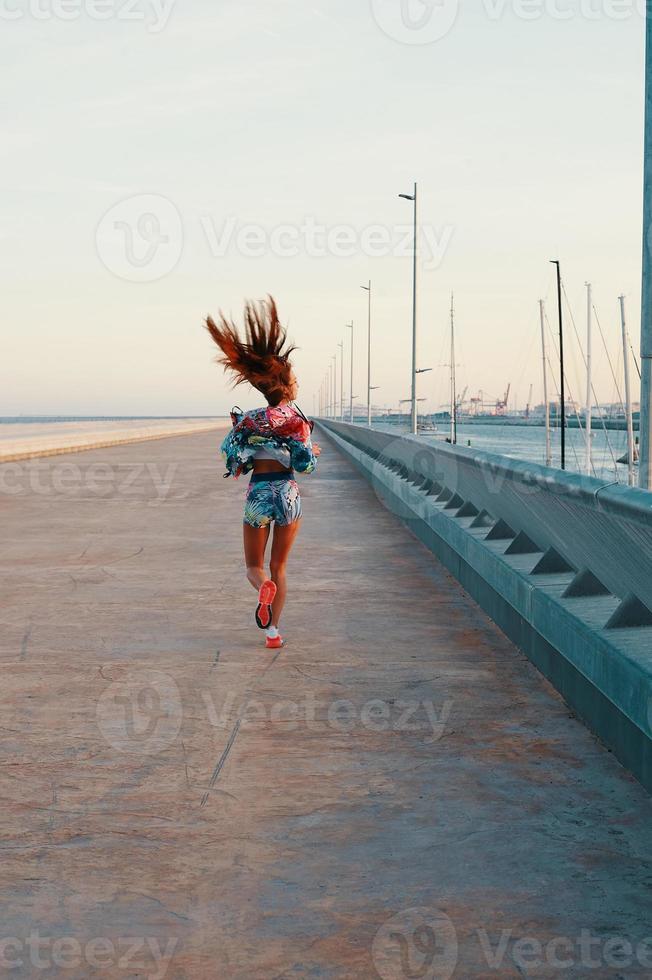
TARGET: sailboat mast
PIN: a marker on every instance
(453, 380)
(562, 373)
(546, 399)
(628, 397)
(645, 473)
(588, 420)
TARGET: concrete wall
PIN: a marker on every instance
(561, 562)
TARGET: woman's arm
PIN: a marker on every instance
(303, 455)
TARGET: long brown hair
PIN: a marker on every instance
(263, 357)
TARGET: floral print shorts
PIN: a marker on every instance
(272, 497)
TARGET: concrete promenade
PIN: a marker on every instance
(177, 801)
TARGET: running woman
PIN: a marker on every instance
(272, 443)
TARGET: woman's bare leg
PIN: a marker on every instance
(255, 542)
(281, 546)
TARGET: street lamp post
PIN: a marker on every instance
(329, 411)
(350, 326)
(413, 197)
(369, 389)
(329, 388)
(341, 347)
(334, 375)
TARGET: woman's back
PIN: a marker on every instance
(273, 433)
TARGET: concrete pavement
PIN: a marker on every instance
(398, 793)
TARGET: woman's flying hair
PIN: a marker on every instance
(263, 357)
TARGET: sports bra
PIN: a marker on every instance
(280, 455)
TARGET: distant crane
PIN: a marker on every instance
(460, 400)
(529, 402)
(501, 405)
(477, 403)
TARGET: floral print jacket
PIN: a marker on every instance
(272, 429)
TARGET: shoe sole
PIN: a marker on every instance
(266, 597)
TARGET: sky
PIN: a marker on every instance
(163, 159)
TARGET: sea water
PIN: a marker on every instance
(528, 442)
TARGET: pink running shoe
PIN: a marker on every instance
(266, 597)
(274, 642)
